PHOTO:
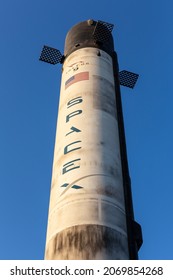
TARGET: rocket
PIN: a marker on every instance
(91, 210)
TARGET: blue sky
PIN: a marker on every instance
(29, 94)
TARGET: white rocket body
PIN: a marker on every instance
(87, 218)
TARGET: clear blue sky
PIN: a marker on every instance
(29, 94)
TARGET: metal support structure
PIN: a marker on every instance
(127, 79)
(102, 31)
(51, 55)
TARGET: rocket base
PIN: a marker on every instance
(87, 242)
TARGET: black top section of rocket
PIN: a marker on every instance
(89, 33)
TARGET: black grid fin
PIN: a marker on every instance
(128, 79)
(102, 31)
(51, 55)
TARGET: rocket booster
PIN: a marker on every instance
(87, 213)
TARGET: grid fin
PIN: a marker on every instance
(102, 31)
(51, 55)
(128, 79)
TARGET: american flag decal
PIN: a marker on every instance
(77, 78)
